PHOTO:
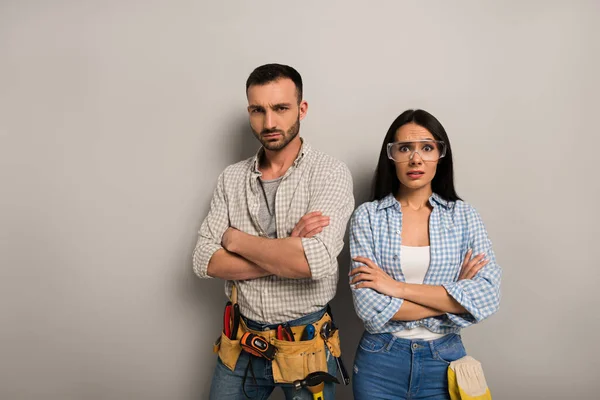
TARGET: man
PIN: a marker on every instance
(275, 227)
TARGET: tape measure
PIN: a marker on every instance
(258, 346)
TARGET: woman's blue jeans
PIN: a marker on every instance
(387, 367)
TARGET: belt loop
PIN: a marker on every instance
(391, 343)
(432, 347)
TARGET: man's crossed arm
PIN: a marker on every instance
(246, 256)
(309, 251)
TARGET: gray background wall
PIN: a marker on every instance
(116, 118)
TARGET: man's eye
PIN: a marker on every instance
(281, 108)
(256, 111)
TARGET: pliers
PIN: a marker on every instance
(284, 332)
(231, 320)
(227, 320)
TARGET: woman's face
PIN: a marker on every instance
(417, 168)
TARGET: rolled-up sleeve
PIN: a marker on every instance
(211, 231)
(334, 198)
(372, 307)
(480, 296)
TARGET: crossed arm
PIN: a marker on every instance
(420, 301)
(378, 298)
(309, 252)
(246, 256)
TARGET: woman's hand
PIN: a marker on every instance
(471, 266)
(373, 277)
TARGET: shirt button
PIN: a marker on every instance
(398, 232)
(395, 256)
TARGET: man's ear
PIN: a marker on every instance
(303, 109)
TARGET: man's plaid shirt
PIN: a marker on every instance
(315, 182)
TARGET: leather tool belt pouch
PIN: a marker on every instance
(293, 360)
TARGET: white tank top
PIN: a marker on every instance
(415, 263)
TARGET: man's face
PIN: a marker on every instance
(275, 113)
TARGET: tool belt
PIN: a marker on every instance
(293, 360)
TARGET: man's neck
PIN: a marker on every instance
(275, 163)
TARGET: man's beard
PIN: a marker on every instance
(286, 137)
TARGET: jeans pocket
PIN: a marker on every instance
(451, 352)
(372, 343)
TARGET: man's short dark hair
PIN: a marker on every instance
(272, 72)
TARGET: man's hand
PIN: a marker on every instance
(310, 225)
(228, 239)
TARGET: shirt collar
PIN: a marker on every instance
(304, 150)
(436, 198)
(390, 201)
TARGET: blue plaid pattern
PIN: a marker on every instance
(454, 227)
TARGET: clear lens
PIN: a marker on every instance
(428, 150)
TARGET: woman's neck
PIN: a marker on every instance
(414, 199)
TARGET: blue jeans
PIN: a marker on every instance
(387, 367)
(227, 384)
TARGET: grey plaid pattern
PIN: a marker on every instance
(455, 227)
(315, 182)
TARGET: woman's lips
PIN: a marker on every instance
(415, 174)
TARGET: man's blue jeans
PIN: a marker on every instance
(387, 367)
(227, 384)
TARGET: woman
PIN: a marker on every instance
(422, 267)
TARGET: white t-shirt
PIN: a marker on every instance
(415, 263)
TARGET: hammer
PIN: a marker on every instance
(315, 382)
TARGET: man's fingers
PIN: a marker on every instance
(311, 218)
(302, 228)
(314, 232)
(311, 215)
(315, 213)
(302, 222)
(311, 226)
(299, 228)
(321, 222)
